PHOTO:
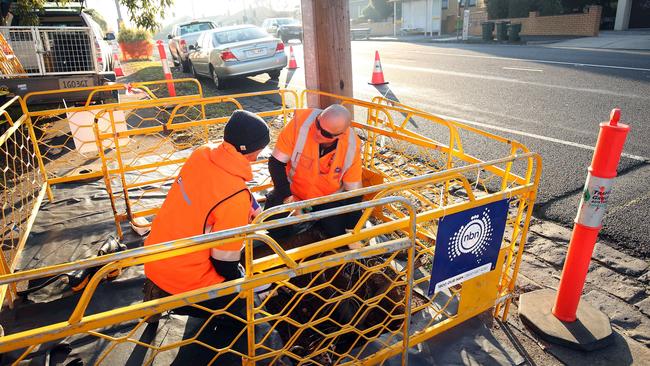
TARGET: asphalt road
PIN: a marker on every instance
(550, 99)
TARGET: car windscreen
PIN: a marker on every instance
(287, 21)
(239, 35)
(195, 27)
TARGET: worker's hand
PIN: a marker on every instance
(253, 213)
(356, 245)
(290, 199)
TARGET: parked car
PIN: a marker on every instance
(184, 35)
(236, 51)
(283, 28)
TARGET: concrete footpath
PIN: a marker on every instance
(612, 40)
(617, 284)
(606, 40)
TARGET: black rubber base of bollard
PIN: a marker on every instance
(591, 330)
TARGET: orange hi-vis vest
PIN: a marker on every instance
(313, 176)
(211, 175)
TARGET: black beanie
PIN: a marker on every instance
(246, 131)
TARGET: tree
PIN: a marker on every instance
(369, 12)
(497, 9)
(519, 8)
(98, 18)
(384, 9)
(377, 10)
(142, 13)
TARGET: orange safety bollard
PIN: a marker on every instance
(590, 216)
(562, 318)
(292, 59)
(117, 66)
(377, 72)
(166, 69)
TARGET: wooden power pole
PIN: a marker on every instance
(327, 49)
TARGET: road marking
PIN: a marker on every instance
(522, 69)
(515, 81)
(511, 131)
(532, 60)
(539, 137)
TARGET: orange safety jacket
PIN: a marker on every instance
(313, 176)
(213, 175)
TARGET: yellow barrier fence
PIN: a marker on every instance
(22, 186)
(148, 157)
(64, 134)
(328, 304)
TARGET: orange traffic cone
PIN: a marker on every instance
(117, 67)
(377, 73)
(292, 60)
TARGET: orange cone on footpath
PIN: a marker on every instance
(292, 60)
(377, 73)
(117, 67)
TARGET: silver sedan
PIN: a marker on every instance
(236, 51)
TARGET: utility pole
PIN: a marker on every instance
(327, 49)
(120, 20)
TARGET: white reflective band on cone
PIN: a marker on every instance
(165, 65)
(594, 201)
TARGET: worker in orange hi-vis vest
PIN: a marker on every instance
(209, 194)
(317, 154)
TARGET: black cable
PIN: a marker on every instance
(42, 285)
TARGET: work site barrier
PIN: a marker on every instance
(22, 187)
(148, 157)
(328, 304)
(64, 134)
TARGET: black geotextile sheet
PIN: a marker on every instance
(75, 225)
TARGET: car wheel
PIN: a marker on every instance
(194, 74)
(218, 83)
(275, 74)
(185, 66)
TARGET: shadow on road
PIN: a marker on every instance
(386, 92)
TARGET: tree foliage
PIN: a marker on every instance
(377, 10)
(498, 9)
(98, 18)
(142, 13)
(145, 13)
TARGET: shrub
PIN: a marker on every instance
(497, 9)
(128, 35)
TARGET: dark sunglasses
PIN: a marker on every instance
(326, 134)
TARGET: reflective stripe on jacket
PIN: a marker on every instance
(211, 175)
(310, 175)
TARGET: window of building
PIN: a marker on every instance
(445, 4)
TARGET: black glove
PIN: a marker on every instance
(227, 269)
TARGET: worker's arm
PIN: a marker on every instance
(231, 213)
(278, 171)
(278, 162)
(352, 178)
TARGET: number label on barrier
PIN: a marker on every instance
(594, 201)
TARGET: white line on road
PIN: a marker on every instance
(531, 60)
(539, 137)
(507, 130)
(522, 69)
(508, 80)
